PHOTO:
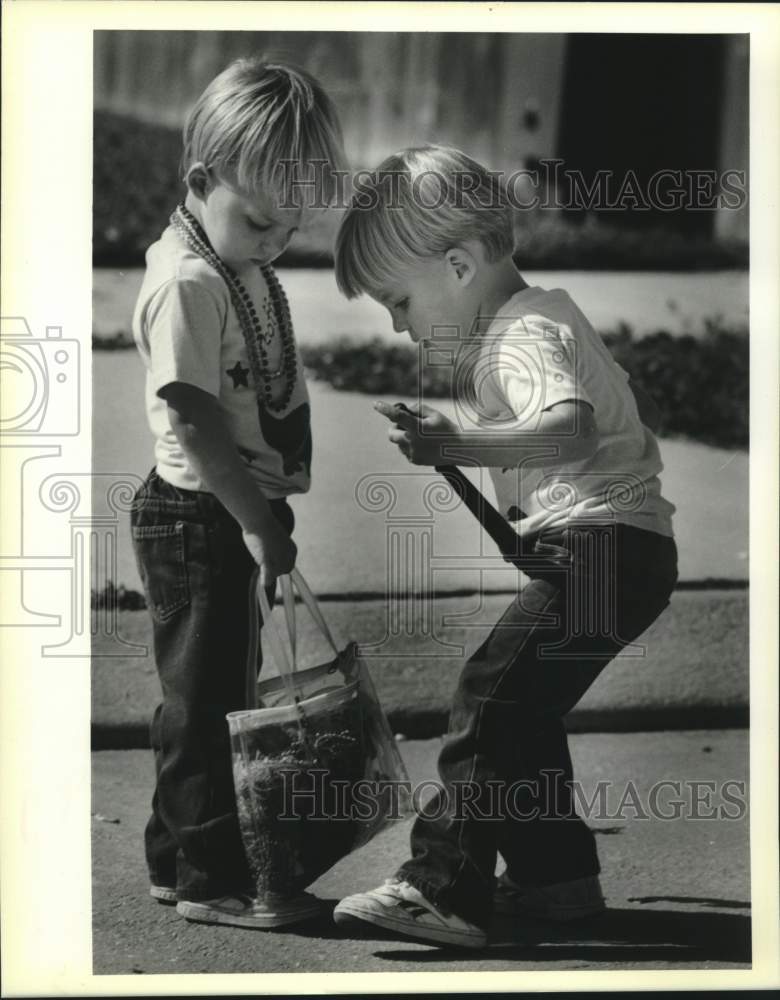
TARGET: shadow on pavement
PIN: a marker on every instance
(723, 904)
(616, 936)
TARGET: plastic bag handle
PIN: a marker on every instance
(288, 601)
(287, 666)
(286, 669)
(312, 606)
(250, 692)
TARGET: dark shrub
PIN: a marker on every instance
(700, 384)
(136, 187)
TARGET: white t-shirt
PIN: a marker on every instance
(187, 330)
(540, 350)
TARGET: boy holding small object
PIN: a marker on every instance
(575, 467)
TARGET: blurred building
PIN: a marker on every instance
(597, 102)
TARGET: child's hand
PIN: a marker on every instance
(273, 551)
(419, 431)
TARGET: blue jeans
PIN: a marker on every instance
(505, 770)
(196, 573)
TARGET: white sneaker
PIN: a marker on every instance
(163, 893)
(246, 911)
(398, 906)
(562, 901)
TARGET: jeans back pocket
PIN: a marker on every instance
(162, 563)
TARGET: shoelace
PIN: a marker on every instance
(422, 904)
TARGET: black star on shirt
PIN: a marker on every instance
(238, 374)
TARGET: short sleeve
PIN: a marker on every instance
(537, 367)
(184, 322)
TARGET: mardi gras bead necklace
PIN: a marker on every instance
(255, 337)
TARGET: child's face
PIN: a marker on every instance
(246, 230)
(429, 297)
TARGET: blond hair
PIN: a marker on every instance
(418, 204)
(260, 121)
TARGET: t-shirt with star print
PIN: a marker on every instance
(187, 330)
(540, 350)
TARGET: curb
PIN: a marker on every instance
(120, 598)
(432, 723)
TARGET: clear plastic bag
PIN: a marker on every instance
(316, 769)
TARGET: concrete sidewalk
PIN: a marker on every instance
(677, 889)
(366, 498)
(691, 670)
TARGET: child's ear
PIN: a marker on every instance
(198, 180)
(462, 264)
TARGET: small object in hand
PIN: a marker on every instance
(403, 407)
(386, 409)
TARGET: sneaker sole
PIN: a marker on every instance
(200, 913)
(163, 894)
(344, 913)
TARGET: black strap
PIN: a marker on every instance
(500, 530)
(510, 545)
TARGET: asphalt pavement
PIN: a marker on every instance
(677, 888)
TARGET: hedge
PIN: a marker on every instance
(136, 186)
(700, 384)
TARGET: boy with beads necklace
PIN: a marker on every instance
(228, 408)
